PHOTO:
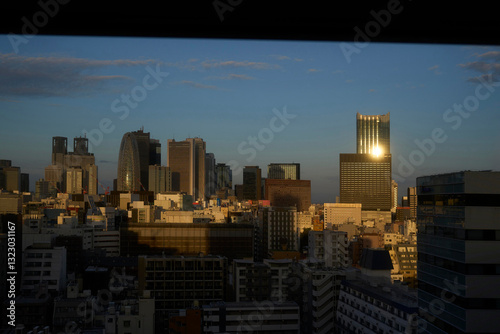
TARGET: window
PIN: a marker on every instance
(126, 323)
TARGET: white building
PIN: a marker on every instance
(340, 213)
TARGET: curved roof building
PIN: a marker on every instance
(128, 164)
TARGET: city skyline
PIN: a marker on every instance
(227, 92)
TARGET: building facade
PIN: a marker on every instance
(373, 134)
(366, 179)
(458, 245)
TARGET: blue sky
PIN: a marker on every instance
(227, 90)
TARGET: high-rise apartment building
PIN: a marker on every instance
(373, 134)
(283, 171)
(458, 244)
(186, 160)
(252, 179)
(366, 179)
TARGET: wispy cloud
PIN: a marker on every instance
(435, 69)
(371, 90)
(349, 81)
(233, 77)
(313, 70)
(58, 76)
(238, 64)
(282, 57)
(196, 84)
(487, 65)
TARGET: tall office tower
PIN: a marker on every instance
(366, 179)
(404, 201)
(210, 179)
(458, 244)
(5, 163)
(154, 152)
(252, 183)
(41, 189)
(80, 145)
(160, 179)
(186, 160)
(373, 134)
(394, 195)
(143, 139)
(74, 180)
(25, 182)
(224, 176)
(128, 164)
(412, 201)
(283, 171)
(59, 149)
(54, 174)
(91, 178)
(289, 193)
(10, 178)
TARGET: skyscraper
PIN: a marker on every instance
(224, 176)
(210, 178)
(160, 178)
(186, 160)
(458, 243)
(128, 164)
(252, 183)
(143, 145)
(287, 193)
(366, 179)
(412, 201)
(283, 171)
(373, 134)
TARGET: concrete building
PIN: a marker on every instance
(224, 176)
(412, 202)
(252, 183)
(283, 193)
(283, 171)
(330, 247)
(272, 317)
(160, 179)
(340, 213)
(279, 229)
(404, 261)
(315, 288)
(176, 282)
(44, 263)
(230, 240)
(366, 179)
(186, 160)
(210, 176)
(370, 304)
(458, 247)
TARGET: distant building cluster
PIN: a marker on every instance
(180, 248)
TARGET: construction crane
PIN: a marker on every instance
(139, 180)
(106, 190)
